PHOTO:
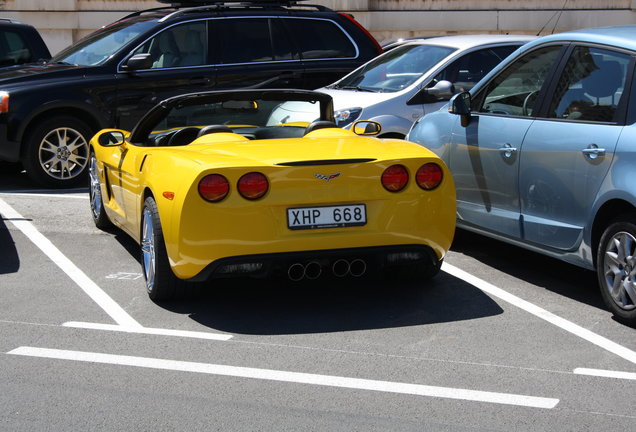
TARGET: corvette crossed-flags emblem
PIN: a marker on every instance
(327, 178)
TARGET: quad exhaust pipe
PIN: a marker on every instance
(313, 269)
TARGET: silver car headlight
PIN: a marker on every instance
(347, 116)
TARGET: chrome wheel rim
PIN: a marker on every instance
(619, 267)
(95, 189)
(63, 153)
(148, 249)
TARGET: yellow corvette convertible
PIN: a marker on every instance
(235, 183)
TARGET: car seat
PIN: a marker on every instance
(168, 51)
(319, 124)
(195, 54)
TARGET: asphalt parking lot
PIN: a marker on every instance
(502, 339)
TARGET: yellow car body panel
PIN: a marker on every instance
(198, 233)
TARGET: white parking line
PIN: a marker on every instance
(535, 310)
(149, 330)
(606, 373)
(126, 323)
(47, 195)
(292, 377)
(109, 306)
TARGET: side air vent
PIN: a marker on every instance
(326, 162)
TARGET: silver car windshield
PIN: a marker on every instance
(395, 70)
(99, 46)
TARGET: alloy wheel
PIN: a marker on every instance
(95, 191)
(619, 267)
(63, 153)
(148, 249)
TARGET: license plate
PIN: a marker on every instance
(326, 217)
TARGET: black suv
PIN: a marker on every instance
(20, 43)
(49, 111)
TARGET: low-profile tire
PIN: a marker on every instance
(616, 268)
(100, 218)
(418, 272)
(56, 152)
(161, 283)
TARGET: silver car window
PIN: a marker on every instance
(514, 91)
(591, 85)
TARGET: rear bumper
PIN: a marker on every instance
(313, 264)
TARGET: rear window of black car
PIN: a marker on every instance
(320, 39)
(13, 49)
(247, 40)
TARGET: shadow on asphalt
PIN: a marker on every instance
(19, 182)
(9, 259)
(282, 307)
(554, 275)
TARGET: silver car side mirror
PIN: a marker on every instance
(460, 105)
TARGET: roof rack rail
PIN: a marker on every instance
(223, 4)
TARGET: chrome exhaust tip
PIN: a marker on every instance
(340, 268)
(313, 270)
(357, 267)
(296, 272)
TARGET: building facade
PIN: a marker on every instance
(63, 22)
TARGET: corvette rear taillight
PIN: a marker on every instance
(253, 185)
(395, 178)
(429, 176)
(214, 187)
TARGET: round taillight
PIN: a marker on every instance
(429, 176)
(395, 178)
(253, 185)
(214, 187)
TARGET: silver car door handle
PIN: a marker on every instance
(593, 152)
(508, 150)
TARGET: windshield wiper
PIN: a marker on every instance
(357, 88)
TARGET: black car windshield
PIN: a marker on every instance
(395, 70)
(99, 46)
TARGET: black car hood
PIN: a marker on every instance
(28, 73)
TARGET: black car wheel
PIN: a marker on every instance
(56, 152)
(616, 268)
(161, 283)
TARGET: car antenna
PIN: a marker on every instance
(559, 13)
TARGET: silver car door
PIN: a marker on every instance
(484, 156)
(566, 156)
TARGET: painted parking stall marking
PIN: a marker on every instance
(291, 377)
(125, 322)
(535, 310)
(606, 373)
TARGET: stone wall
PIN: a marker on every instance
(63, 22)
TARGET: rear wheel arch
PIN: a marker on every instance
(608, 212)
(80, 114)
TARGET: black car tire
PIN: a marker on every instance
(161, 282)
(415, 272)
(100, 218)
(56, 153)
(616, 268)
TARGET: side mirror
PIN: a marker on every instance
(111, 138)
(137, 62)
(366, 128)
(460, 105)
(441, 91)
